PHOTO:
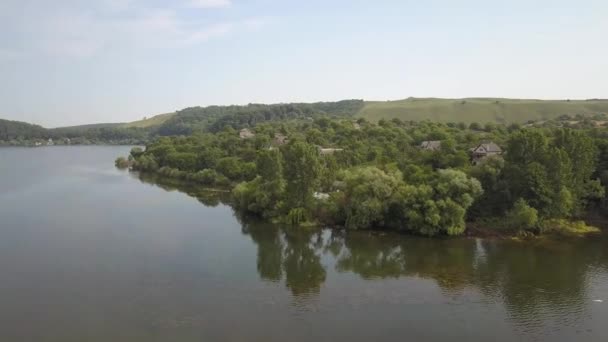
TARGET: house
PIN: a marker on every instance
(246, 133)
(280, 139)
(50, 142)
(432, 145)
(356, 125)
(483, 150)
(320, 195)
(328, 151)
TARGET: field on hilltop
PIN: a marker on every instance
(156, 120)
(480, 110)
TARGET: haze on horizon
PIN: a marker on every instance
(69, 62)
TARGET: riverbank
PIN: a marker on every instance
(549, 228)
(493, 228)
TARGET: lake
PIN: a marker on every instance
(92, 253)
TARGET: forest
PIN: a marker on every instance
(182, 122)
(423, 178)
(18, 133)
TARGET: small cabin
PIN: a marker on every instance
(432, 145)
(485, 150)
(327, 151)
(246, 133)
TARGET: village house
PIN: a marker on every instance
(433, 145)
(484, 150)
(328, 151)
(246, 133)
(50, 142)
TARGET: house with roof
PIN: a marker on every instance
(327, 151)
(431, 145)
(246, 133)
(484, 150)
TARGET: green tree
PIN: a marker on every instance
(367, 196)
(302, 171)
(522, 216)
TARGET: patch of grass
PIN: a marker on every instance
(156, 120)
(481, 110)
(565, 227)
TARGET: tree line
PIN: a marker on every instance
(185, 122)
(361, 175)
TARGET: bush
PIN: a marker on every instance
(296, 216)
(206, 176)
(136, 152)
(522, 216)
(565, 227)
(122, 163)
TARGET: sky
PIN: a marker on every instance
(69, 62)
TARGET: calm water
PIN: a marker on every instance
(91, 253)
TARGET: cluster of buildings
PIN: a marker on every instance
(478, 153)
(281, 139)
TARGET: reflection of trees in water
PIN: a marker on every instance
(449, 262)
(292, 253)
(303, 270)
(207, 197)
(536, 281)
(270, 249)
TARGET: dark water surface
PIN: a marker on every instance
(91, 253)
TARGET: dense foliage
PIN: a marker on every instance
(216, 118)
(184, 122)
(21, 133)
(15, 130)
(362, 175)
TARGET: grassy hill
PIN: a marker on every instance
(480, 110)
(85, 127)
(156, 120)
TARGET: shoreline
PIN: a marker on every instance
(473, 229)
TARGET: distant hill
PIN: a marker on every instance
(10, 130)
(215, 118)
(80, 128)
(156, 120)
(480, 110)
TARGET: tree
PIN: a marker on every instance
(302, 170)
(437, 208)
(367, 196)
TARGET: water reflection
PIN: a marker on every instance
(208, 197)
(539, 284)
(292, 255)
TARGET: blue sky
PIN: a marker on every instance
(66, 62)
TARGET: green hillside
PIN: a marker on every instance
(156, 120)
(10, 130)
(480, 110)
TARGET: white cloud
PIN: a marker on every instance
(117, 27)
(210, 3)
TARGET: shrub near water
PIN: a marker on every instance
(122, 163)
(522, 216)
(565, 227)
